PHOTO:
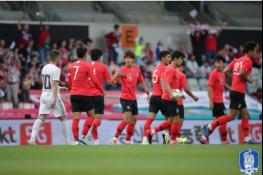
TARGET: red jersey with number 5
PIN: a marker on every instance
(81, 80)
(243, 63)
(156, 80)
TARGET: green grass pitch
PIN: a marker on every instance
(123, 160)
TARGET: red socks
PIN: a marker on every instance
(223, 132)
(120, 128)
(130, 131)
(220, 121)
(163, 126)
(175, 130)
(245, 126)
(75, 129)
(87, 125)
(94, 131)
(147, 126)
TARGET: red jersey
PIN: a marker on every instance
(101, 73)
(217, 83)
(211, 43)
(81, 80)
(238, 83)
(156, 80)
(170, 76)
(132, 77)
(181, 83)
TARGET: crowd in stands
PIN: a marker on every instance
(21, 62)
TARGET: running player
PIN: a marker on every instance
(241, 69)
(129, 76)
(156, 98)
(82, 85)
(216, 86)
(102, 74)
(50, 100)
(169, 100)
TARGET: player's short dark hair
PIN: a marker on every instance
(95, 54)
(220, 58)
(116, 26)
(163, 54)
(81, 51)
(54, 55)
(249, 46)
(129, 54)
(177, 54)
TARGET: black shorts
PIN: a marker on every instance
(181, 111)
(98, 102)
(237, 100)
(219, 109)
(129, 106)
(171, 108)
(156, 105)
(81, 103)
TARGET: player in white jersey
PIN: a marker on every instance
(50, 100)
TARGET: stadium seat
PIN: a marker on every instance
(193, 84)
(6, 105)
(203, 84)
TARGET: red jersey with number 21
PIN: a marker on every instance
(156, 80)
(244, 63)
(129, 82)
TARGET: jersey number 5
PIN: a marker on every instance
(155, 77)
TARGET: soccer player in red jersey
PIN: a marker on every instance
(169, 100)
(156, 98)
(216, 86)
(102, 74)
(129, 76)
(82, 85)
(241, 69)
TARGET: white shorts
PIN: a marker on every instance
(45, 108)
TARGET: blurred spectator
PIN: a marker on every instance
(44, 39)
(3, 80)
(258, 95)
(3, 49)
(64, 53)
(211, 43)
(148, 52)
(197, 40)
(89, 47)
(112, 42)
(54, 46)
(26, 86)
(158, 50)
(138, 51)
(240, 52)
(257, 61)
(24, 36)
(13, 80)
(205, 70)
(192, 67)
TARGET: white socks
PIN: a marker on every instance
(35, 130)
(64, 131)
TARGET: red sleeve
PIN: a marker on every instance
(106, 74)
(140, 78)
(211, 79)
(169, 76)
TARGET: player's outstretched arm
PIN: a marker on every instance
(243, 75)
(188, 92)
(145, 88)
(211, 104)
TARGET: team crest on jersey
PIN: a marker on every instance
(249, 161)
(129, 77)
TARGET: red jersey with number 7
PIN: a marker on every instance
(81, 80)
(243, 63)
(156, 80)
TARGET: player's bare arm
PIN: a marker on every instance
(188, 91)
(211, 104)
(243, 75)
(54, 87)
